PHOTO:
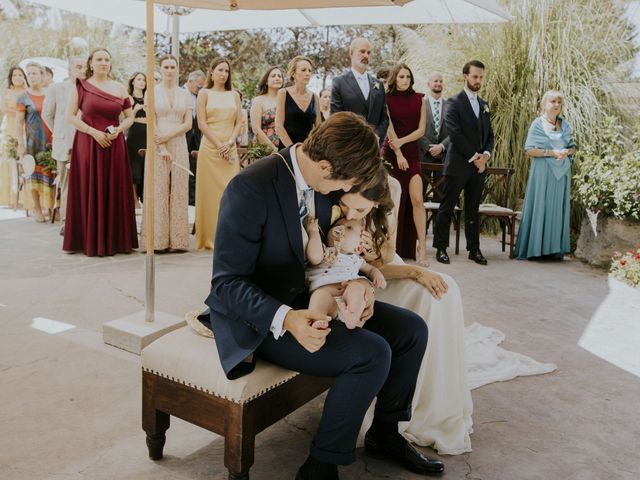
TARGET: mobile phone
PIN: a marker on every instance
(110, 129)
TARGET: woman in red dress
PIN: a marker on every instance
(100, 211)
(407, 121)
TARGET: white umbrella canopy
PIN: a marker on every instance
(132, 13)
(278, 4)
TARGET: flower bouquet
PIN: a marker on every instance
(626, 267)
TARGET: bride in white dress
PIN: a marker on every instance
(457, 359)
(442, 405)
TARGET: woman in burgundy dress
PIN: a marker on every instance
(407, 121)
(100, 212)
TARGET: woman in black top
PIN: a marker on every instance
(297, 111)
(137, 135)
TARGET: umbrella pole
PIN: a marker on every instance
(149, 174)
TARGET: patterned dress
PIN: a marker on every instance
(38, 138)
(268, 125)
(171, 192)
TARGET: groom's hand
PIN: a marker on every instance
(309, 328)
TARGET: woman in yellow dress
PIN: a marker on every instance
(16, 84)
(219, 120)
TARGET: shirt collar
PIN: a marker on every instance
(358, 75)
(300, 181)
(470, 94)
(434, 100)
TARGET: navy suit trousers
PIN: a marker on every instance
(383, 358)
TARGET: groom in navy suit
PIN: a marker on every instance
(259, 301)
(468, 123)
(357, 91)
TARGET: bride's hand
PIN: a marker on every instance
(433, 282)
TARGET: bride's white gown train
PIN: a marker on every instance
(457, 360)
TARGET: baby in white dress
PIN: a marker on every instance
(330, 267)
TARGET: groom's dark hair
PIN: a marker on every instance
(473, 63)
(349, 143)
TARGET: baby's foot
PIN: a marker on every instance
(351, 319)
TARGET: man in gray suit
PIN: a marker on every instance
(358, 92)
(435, 140)
(54, 113)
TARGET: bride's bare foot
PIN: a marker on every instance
(39, 216)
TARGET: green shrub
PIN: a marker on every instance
(607, 179)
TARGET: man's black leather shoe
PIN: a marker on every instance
(476, 256)
(441, 255)
(403, 452)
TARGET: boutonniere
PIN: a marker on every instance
(376, 86)
(486, 108)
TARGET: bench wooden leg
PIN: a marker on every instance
(239, 442)
(155, 423)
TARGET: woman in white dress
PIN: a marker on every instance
(442, 402)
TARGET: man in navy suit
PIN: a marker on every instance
(357, 91)
(468, 123)
(259, 301)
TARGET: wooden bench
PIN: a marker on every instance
(182, 376)
(496, 189)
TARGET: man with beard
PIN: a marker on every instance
(358, 92)
(435, 140)
(468, 123)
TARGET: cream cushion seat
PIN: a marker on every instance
(191, 359)
(489, 208)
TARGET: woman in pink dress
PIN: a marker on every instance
(407, 121)
(100, 211)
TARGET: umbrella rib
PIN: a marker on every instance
(307, 16)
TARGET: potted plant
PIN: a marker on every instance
(607, 184)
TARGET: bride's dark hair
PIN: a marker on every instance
(376, 221)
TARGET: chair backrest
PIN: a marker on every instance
(496, 187)
(432, 187)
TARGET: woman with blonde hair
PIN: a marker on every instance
(298, 107)
(220, 120)
(263, 109)
(544, 228)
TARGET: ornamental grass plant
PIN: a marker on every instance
(578, 47)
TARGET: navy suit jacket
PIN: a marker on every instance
(258, 260)
(468, 135)
(346, 96)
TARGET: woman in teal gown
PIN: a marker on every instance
(544, 228)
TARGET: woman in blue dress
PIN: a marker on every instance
(544, 229)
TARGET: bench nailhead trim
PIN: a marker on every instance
(247, 400)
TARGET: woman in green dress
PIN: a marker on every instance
(544, 229)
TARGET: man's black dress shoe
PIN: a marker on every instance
(441, 255)
(399, 449)
(476, 256)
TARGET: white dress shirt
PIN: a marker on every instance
(278, 319)
(363, 82)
